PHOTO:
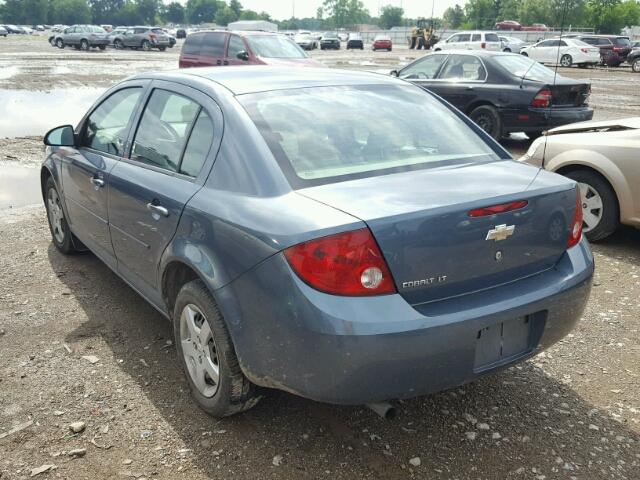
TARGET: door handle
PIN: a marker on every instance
(159, 209)
(98, 182)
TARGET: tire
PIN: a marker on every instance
(76, 47)
(60, 233)
(145, 45)
(233, 393)
(583, 65)
(117, 44)
(60, 43)
(534, 135)
(102, 47)
(524, 54)
(437, 50)
(566, 60)
(593, 184)
(635, 65)
(84, 45)
(488, 119)
(508, 50)
(162, 49)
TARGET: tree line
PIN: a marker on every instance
(605, 16)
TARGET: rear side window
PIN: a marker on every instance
(192, 45)
(491, 37)
(463, 67)
(622, 42)
(106, 127)
(163, 129)
(213, 44)
(198, 147)
(139, 30)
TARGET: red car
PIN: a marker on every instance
(381, 42)
(508, 25)
(217, 48)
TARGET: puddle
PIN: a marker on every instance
(25, 112)
(19, 186)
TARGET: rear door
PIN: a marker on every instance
(170, 156)
(86, 171)
(212, 52)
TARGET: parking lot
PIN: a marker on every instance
(78, 345)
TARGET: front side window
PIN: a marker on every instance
(319, 136)
(463, 67)
(236, 45)
(163, 129)
(426, 69)
(464, 38)
(106, 127)
(491, 37)
(454, 39)
(275, 46)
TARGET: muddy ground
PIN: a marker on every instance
(77, 345)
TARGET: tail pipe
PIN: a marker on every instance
(384, 409)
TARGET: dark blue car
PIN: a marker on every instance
(347, 237)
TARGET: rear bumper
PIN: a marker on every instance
(538, 119)
(357, 350)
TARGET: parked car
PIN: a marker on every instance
(305, 41)
(144, 38)
(3, 32)
(474, 40)
(82, 37)
(502, 92)
(382, 42)
(113, 34)
(603, 158)
(355, 41)
(613, 48)
(181, 33)
(634, 60)
(330, 40)
(402, 257)
(563, 51)
(536, 27)
(508, 25)
(512, 44)
(40, 28)
(13, 29)
(213, 48)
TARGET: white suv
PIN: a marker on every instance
(474, 40)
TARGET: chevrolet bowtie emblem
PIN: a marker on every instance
(500, 232)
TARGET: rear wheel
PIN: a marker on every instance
(508, 50)
(635, 65)
(566, 60)
(524, 54)
(207, 354)
(488, 119)
(60, 233)
(102, 47)
(162, 49)
(84, 45)
(118, 44)
(600, 211)
(59, 43)
(146, 46)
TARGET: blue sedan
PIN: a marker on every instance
(347, 237)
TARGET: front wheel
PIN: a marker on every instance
(566, 61)
(635, 66)
(84, 45)
(524, 54)
(162, 49)
(508, 50)
(60, 233)
(600, 212)
(118, 44)
(146, 46)
(488, 119)
(207, 354)
(59, 43)
(102, 47)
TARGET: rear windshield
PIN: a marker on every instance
(491, 37)
(622, 42)
(275, 46)
(332, 134)
(520, 66)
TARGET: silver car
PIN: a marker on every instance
(144, 38)
(82, 37)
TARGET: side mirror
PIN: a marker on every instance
(394, 73)
(60, 137)
(242, 55)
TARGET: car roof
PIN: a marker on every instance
(242, 33)
(477, 53)
(241, 80)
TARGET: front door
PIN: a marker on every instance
(148, 191)
(235, 46)
(85, 170)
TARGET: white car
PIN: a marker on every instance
(474, 40)
(563, 51)
(512, 44)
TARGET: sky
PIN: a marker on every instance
(283, 9)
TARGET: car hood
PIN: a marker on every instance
(292, 62)
(632, 123)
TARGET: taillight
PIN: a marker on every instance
(576, 224)
(483, 45)
(348, 263)
(542, 99)
(495, 209)
(152, 36)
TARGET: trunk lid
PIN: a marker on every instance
(569, 93)
(434, 249)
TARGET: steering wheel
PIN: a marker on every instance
(175, 138)
(422, 75)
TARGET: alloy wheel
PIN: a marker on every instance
(56, 215)
(591, 206)
(199, 350)
(485, 122)
(565, 61)
(635, 66)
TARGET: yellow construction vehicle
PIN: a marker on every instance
(423, 35)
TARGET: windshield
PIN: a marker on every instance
(332, 134)
(517, 65)
(274, 46)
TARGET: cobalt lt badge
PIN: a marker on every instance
(500, 232)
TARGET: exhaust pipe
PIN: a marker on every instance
(384, 409)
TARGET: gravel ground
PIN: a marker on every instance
(77, 345)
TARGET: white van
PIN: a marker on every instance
(473, 40)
